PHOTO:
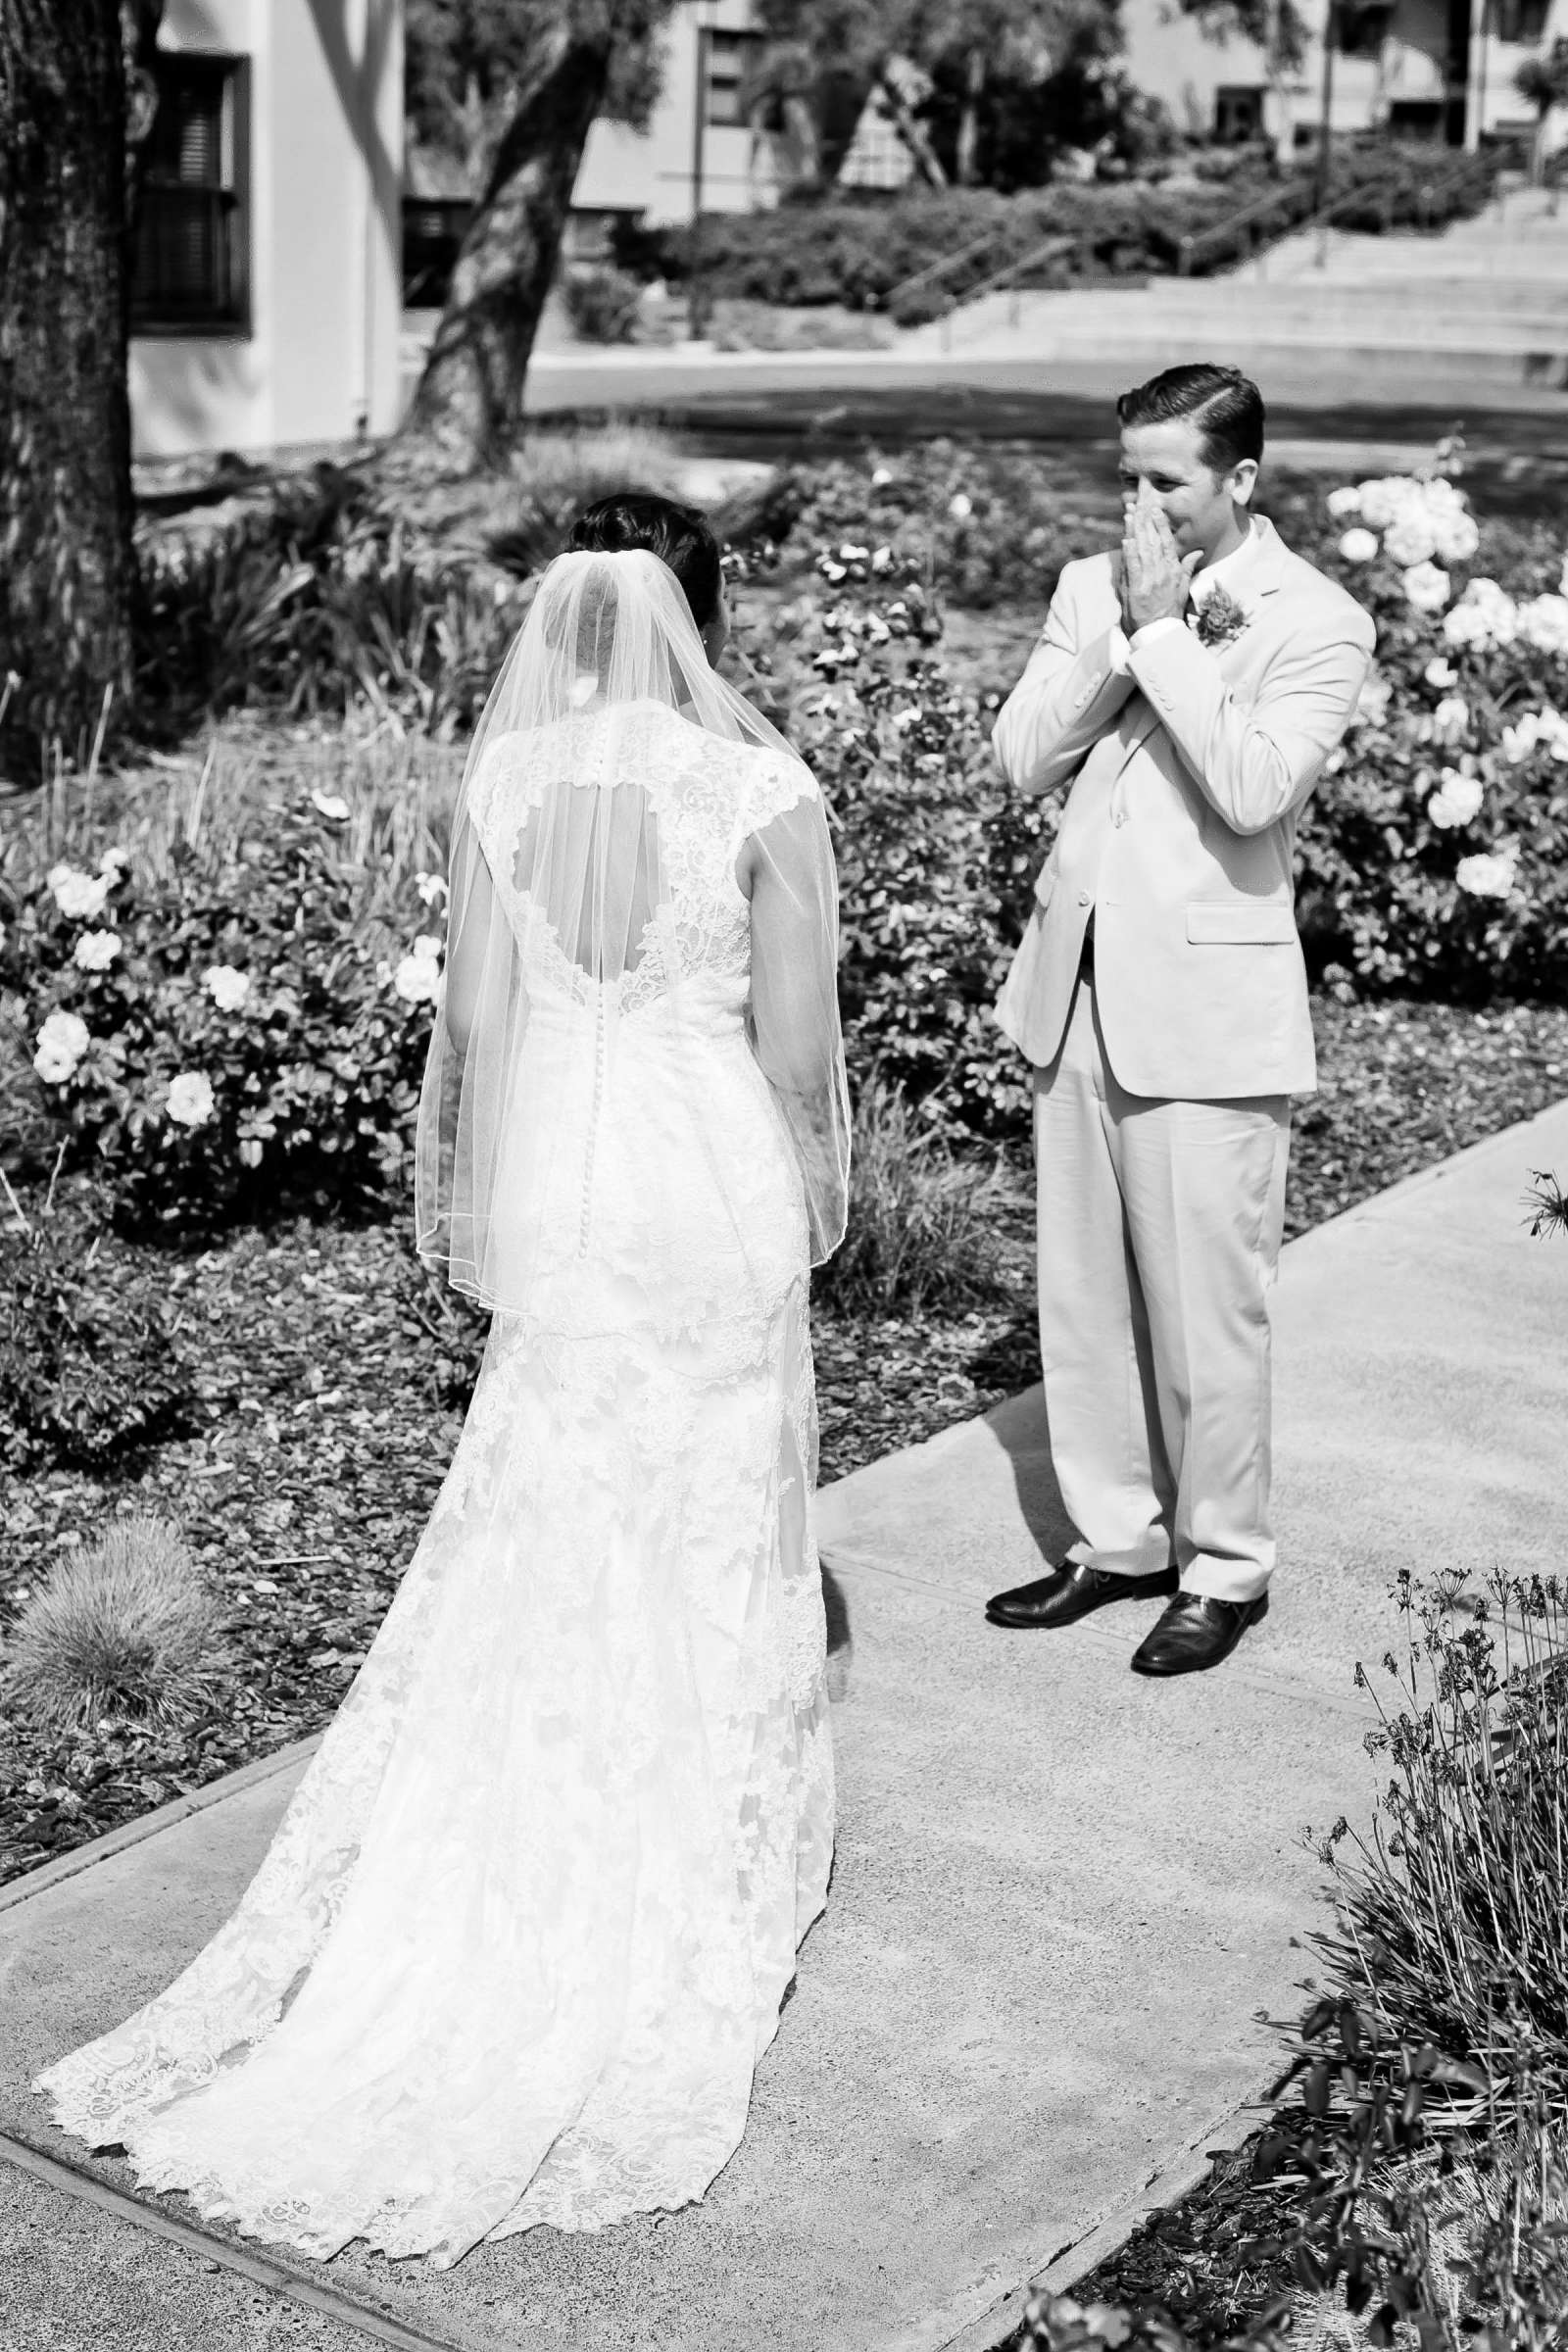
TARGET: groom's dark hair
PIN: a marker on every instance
(678, 535)
(1225, 405)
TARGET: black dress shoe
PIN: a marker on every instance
(1195, 1633)
(1075, 1589)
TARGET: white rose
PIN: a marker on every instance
(1544, 623)
(1372, 703)
(95, 951)
(1488, 874)
(1518, 742)
(854, 555)
(114, 862)
(190, 1098)
(430, 888)
(960, 505)
(1451, 715)
(81, 896)
(418, 978)
(1345, 503)
(1440, 671)
(330, 805)
(1454, 537)
(881, 477)
(882, 559)
(1359, 547)
(1457, 802)
(1384, 501)
(227, 988)
(63, 1040)
(1426, 587)
(1409, 541)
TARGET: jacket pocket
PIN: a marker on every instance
(1239, 925)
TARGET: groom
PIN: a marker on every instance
(1185, 692)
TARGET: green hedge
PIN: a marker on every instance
(859, 252)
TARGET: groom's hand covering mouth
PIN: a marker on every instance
(1155, 577)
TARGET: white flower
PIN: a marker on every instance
(1455, 538)
(1457, 800)
(1382, 501)
(418, 978)
(227, 988)
(1451, 716)
(849, 553)
(1426, 587)
(79, 896)
(1359, 547)
(1485, 617)
(1411, 540)
(1544, 623)
(831, 571)
(882, 559)
(63, 1040)
(1489, 874)
(1440, 671)
(960, 505)
(330, 805)
(1345, 503)
(112, 864)
(95, 951)
(431, 887)
(190, 1098)
(1538, 730)
(881, 477)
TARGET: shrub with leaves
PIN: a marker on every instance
(228, 1034)
(84, 1374)
(125, 1629)
(602, 303)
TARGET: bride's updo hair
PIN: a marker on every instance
(678, 535)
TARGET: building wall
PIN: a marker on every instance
(319, 363)
(1169, 53)
(652, 173)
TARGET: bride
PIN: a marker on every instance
(526, 1925)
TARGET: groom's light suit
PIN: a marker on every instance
(1160, 992)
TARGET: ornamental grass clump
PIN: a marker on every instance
(127, 1629)
(924, 1219)
(1453, 1929)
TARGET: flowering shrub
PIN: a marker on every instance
(238, 1036)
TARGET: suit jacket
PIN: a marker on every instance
(1187, 773)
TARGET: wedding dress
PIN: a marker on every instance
(525, 1928)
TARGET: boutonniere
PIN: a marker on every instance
(1220, 619)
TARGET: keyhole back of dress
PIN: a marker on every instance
(590, 855)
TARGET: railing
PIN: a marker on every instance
(1050, 249)
(1266, 208)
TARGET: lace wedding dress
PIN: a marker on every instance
(526, 1925)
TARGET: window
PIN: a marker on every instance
(189, 273)
(1238, 115)
(731, 58)
(1519, 19)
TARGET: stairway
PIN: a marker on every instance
(1477, 312)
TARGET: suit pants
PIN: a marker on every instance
(1160, 1235)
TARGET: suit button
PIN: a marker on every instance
(1084, 898)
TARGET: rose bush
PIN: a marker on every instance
(253, 1040)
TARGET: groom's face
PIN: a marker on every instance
(1165, 463)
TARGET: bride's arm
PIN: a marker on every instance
(471, 912)
(786, 869)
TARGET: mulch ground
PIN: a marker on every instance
(330, 1380)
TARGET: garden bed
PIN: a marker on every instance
(330, 1377)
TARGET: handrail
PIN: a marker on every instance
(1047, 249)
(1219, 230)
(937, 268)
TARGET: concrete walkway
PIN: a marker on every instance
(1062, 1898)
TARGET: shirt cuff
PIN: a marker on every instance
(1152, 629)
(1123, 646)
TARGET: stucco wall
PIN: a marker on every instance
(653, 171)
(320, 361)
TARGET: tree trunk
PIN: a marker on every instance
(66, 565)
(974, 83)
(470, 400)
